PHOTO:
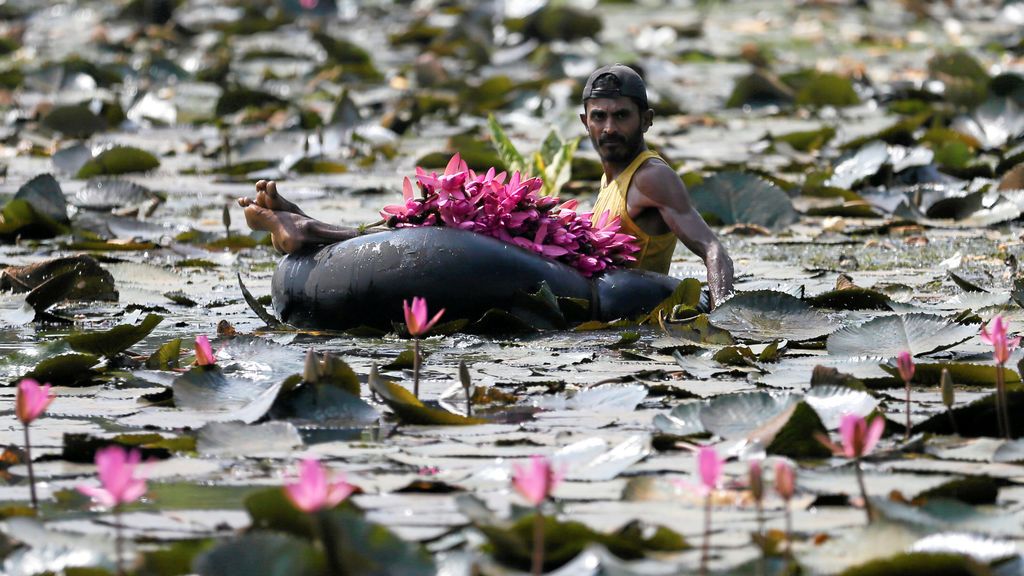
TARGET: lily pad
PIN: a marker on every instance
(852, 298)
(765, 315)
(47, 199)
(887, 336)
(262, 554)
(965, 78)
(368, 548)
(166, 356)
(411, 411)
(738, 415)
(112, 342)
(118, 160)
(323, 403)
(232, 438)
(743, 198)
(919, 564)
(74, 121)
(109, 193)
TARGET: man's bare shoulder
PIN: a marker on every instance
(658, 182)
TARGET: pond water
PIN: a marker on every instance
(884, 137)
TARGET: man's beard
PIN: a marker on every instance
(627, 148)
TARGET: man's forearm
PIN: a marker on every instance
(720, 273)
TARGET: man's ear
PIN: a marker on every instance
(648, 118)
(583, 118)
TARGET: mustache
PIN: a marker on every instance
(611, 140)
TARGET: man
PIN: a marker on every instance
(639, 186)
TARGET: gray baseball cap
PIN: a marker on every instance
(628, 83)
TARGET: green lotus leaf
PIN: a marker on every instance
(118, 160)
(765, 315)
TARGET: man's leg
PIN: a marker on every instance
(290, 228)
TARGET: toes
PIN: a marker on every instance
(244, 201)
(261, 185)
(272, 189)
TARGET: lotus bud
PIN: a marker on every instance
(756, 481)
(464, 377)
(225, 217)
(311, 370)
(948, 394)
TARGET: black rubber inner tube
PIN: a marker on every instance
(363, 281)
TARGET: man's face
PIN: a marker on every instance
(616, 127)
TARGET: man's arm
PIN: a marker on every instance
(659, 187)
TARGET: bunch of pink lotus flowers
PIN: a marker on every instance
(514, 212)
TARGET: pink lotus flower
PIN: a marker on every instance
(32, 400)
(513, 212)
(309, 4)
(859, 438)
(204, 353)
(416, 317)
(709, 465)
(312, 492)
(785, 480)
(905, 363)
(119, 483)
(995, 333)
(536, 480)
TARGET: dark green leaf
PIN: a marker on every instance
(742, 198)
(261, 554)
(112, 342)
(119, 160)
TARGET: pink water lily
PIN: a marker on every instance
(120, 481)
(995, 334)
(536, 480)
(32, 400)
(509, 208)
(709, 466)
(313, 492)
(905, 365)
(858, 436)
(416, 316)
(204, 352)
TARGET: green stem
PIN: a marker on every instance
(863, 490)
(469, 404)
(762, 563)
(789, 530)
(1003, 402)
(952, 421)
(906, 434)
(705, 552)
(416, 367)
(537, 567)
(31, 475)
(322, 530)
(118, 541)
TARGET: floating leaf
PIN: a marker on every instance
(118, 160)
(109, 193)
(166, 356)
(743, 198)
(47, 199)
(765, 315)
(232, 438)
(371, 549)
(738, 415)
(74, 121)
(796, 437)
(256, 307)
(112, 342)
(887, 336)
(760, 88)
(323, 403)
(819, 89)
(699, 329)
(853, 298)
(965, 78)
(65, 369)
(977, 419)
(261, 554)
(411, 411)
(919, 564)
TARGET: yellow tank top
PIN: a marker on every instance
(655, 251)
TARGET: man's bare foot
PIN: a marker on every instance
(268, 197)
(287, 229)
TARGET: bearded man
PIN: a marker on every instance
(638, 185)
